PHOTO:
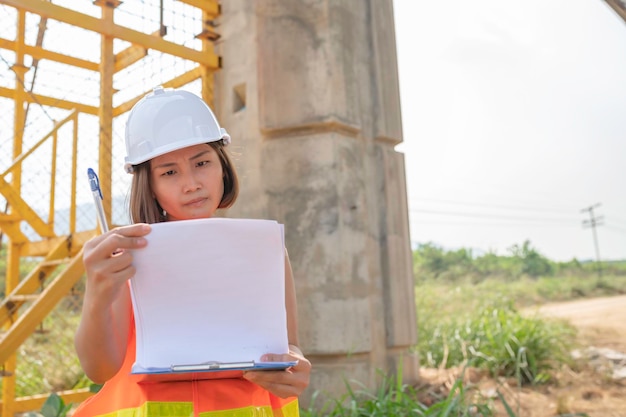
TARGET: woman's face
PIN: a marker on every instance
(188, 183)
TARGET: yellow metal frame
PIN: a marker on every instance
(66, 251)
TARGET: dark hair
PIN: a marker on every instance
(144, 208)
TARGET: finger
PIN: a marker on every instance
(100, 261)
(120, 261)
(138, 229)
(114, 281)
(302, 364)
(282, 391)
(127, 237)
(296, 375)
(278, 357)
(269, 377)
(280, 383)
(115, 268)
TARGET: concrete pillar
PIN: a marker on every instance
(309, 93)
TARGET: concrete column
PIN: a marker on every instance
(314, 138)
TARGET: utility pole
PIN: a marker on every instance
(593, 222)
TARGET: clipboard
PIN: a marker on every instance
(208, 370)
(216, 283)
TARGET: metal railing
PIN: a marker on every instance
(59, 97)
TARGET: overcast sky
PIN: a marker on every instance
(514, 121)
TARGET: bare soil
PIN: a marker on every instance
(584, 391)
(600, 321)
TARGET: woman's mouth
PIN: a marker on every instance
(195, 202)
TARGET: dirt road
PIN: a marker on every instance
(601, 321)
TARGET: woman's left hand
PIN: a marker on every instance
(288, 383)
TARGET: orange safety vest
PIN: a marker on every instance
(125, 395)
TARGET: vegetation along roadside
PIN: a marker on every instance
(470, 320)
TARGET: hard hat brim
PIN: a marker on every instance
(162, 150)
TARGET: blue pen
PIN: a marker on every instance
(94, 183)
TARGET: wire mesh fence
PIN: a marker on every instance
(55, 137)
(46, 362)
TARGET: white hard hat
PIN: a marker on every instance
(166, 120)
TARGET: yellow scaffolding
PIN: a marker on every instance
(67, 78)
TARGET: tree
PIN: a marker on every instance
(532, 262)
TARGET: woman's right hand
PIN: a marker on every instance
(102, 334)
(108, 263)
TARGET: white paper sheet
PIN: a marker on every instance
(209, 290)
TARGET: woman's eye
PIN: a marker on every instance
(168, 173)
(203, 163)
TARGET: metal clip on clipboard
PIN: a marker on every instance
(225, 366)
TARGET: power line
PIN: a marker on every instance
(494, 206)
(612, 216)
(488, 216)
(505, 216)
(495, 223)
(616, 228)
(593, 222)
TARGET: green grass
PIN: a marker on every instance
(393, 398)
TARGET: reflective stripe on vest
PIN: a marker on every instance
(160, 409)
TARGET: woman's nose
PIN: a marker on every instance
(191, 183)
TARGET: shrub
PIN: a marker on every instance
(497, 338)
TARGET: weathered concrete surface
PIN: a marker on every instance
(314, 148)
